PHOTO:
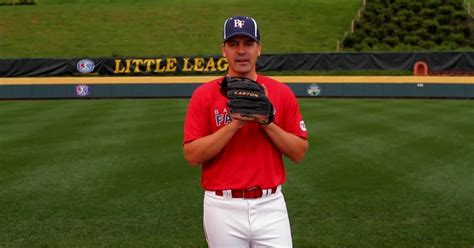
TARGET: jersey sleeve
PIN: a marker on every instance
(292, 120)
(196, 124)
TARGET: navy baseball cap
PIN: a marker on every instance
(241, 25)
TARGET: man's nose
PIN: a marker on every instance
(241, 49)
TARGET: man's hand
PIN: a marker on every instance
(248, 100)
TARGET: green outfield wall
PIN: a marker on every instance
(302, 86)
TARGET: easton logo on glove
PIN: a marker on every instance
(247, 98)
(238, 93)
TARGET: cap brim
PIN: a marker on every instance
(241, 33)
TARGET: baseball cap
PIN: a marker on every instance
(241, 25)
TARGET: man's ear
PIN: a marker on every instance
(222, 50)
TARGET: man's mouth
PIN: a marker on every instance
(242, 60)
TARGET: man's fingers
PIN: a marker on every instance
(265, 90)
(238, 116)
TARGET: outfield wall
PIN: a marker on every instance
(438, 62)
(302, 86)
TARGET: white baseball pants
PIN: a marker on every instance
(235, 222)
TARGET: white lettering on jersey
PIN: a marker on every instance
(222, 118)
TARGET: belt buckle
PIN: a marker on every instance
(250, 190)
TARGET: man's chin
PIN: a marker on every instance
(243, 69)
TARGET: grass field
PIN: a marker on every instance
(93, 28)
(110, 173)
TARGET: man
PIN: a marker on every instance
(241, 155)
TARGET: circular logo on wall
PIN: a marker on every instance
(85, 66)
(314, 90)
(82, 90)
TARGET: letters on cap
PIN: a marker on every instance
(241, 25)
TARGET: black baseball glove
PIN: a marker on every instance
(247, 98)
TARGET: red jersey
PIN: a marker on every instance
(249, 158)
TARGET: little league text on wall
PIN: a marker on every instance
(172, 64)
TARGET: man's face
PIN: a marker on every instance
(241, 52)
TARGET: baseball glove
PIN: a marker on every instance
(247, 98)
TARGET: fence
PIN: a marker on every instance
(437, 62)
(302, 86)
(353, 22)
(468, 7)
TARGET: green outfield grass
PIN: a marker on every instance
(110, 173)
(93, 28)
